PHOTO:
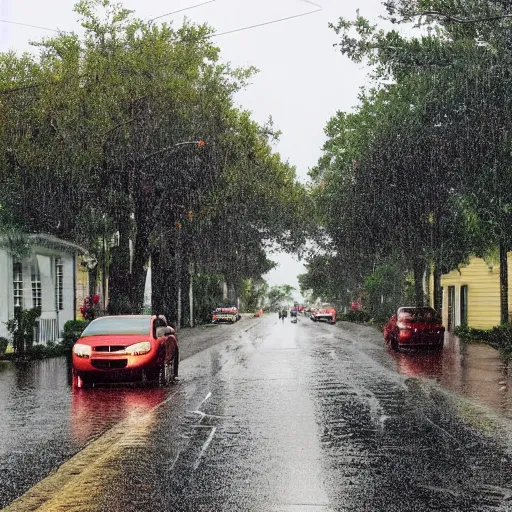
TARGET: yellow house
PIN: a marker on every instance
(471, 295)
(82, 286)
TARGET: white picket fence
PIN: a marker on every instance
(46, 329)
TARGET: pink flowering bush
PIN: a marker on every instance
(90, 307)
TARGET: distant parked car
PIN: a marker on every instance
(414, 327)
(226, 315)
(126, 348)
(324, 315)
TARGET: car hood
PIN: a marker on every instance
(112, 339)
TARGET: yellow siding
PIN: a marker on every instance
(431, 290)
(82, 285)
(483, 292)
(483, 282)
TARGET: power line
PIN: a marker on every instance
(249, 27)
(60, 31)
(184, 9)
(31, 26)
(241, 29)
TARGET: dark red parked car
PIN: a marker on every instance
(126, 348)
(415, 327)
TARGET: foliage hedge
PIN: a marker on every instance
(47, 351)
(72, 331)
(3, 345)
(499, 337)
(358, 316)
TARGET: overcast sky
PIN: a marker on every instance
(302, 82)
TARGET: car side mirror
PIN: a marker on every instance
(164, 331)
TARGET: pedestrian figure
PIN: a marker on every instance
(280, 315)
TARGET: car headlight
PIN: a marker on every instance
(139, 348)
(82, 350)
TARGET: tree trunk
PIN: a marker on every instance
(503, 282)
(119, 271)
(418, 269)
(191, 293)
(157, 286)
(164, 291)
(139, 275)
(141, 253)
(438, 293)
(178, 282)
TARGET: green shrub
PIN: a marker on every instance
(36, 352)
(499, 337)
(467, 333)
(3, 346)
(47, 351)
(73, 329)
(358, 316)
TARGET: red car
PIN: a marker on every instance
(126, 348)
(414, 327)
(327, 314)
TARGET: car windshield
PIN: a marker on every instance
(427, 315)
(118, 325)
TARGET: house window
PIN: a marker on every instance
(464, 305)
(17, 282)
(59, 284)
(36, 287)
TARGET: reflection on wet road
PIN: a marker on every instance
(289, 418)
(44, 423)
(475, 371)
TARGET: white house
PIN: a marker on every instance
(47, 277)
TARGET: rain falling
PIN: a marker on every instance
(255, 256)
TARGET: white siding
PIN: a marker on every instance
(52, 321)
(5, 290)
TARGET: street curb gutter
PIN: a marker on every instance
(253, 325)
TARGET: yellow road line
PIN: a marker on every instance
(78, 483)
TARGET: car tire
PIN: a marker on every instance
(80, 382)
(176, 364)
(169, 372)
(394, 344)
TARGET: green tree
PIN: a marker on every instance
(102, 130)
(406, 173)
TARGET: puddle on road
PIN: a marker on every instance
(472, 370)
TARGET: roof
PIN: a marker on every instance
(53, 242)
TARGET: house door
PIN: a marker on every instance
(464, 305)
(451, 308)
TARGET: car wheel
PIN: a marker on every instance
(394, 344)
(175, 365)
(163, 375)
(169, 372)
(79, 382)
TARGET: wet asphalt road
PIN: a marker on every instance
(283, 417)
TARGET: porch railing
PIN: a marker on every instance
(46, 329)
